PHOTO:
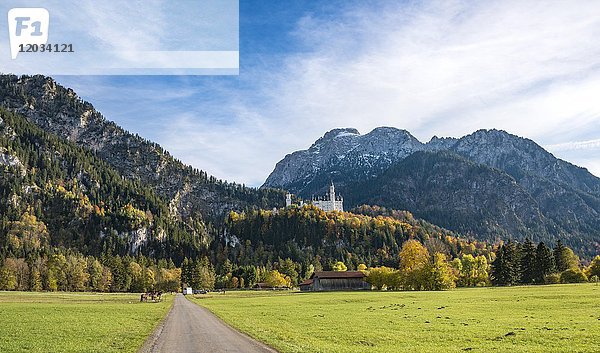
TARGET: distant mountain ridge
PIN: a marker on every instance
(490, 183)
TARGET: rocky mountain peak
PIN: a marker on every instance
(343, 149)
(343, 132)
(340, 135)
(440, 143)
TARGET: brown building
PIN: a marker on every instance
(335, 280)
(306, 285)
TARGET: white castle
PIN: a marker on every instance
(329, 202)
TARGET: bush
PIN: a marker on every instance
(594, 269)
(552, 278)
(594, 279)
(573, 275)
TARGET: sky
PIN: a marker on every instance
(108, 36)
(444, 68)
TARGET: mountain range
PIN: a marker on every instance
(490, 184)
(72, 180)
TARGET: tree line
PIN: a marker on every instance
(513, 263)
(525, 263)
(70, 271)
(417, 269)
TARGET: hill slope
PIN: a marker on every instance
(190, 192)
(56, 194)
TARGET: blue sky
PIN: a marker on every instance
(442, 68)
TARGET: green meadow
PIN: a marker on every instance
(553, 318)
(76, 322)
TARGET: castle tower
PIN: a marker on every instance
(332, 192)
(288, 199)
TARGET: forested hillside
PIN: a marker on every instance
(309, 235)
(57, 194)
(189, 192)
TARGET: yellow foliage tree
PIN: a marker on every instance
(276, 280)
(414, 260)
(340, 267)
(28, 233)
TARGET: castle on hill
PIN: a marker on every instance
(329, 202)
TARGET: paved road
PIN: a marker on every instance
(189, 328)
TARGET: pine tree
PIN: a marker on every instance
(185, 273)
(513, 263)
(558, 252)
(505, 269)
(528, 262)
(498, 272)
(544, 262)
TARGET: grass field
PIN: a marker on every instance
(557, 318)
(76, 322)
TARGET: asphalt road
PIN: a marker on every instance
(189, 328)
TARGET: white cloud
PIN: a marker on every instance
(113, 25)
(443, 68)
(575, 145)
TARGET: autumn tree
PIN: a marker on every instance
(287, 268)
(105, 280)
(564, 257)
(57, 274)
(594, 267)
(339, 266)
(275, 279)
(203, 274)
(8, 275)
(383, 277)
(76, 274)
(37, 267)
(472, 271)
(28, 234)
(414, 259)
(440, 274)
(137, 279)
(573, 275)
(148, 279)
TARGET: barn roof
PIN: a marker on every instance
(262, 285)
(338, 274)
(307, 282)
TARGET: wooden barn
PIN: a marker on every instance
(335, 280)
